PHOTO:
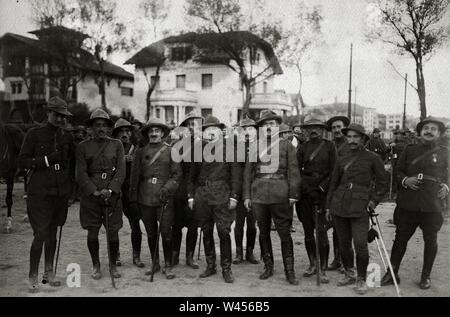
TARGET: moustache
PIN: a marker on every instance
(429, 134)
(352, 143)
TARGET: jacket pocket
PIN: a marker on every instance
(359, 201)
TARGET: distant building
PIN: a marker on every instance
(32, 71)
(207, 85)
(394, 121)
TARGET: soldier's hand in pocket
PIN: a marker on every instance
(106, 193)
(232, 204)
(248, 204)
(191, 204)
(413, 183)
(443, 192)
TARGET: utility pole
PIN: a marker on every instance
(354, 107)
(349, 114)
(404, 102)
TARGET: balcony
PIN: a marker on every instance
(268, 100)
(174, 96)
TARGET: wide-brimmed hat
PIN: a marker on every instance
(430, 120)
(344, 119)
(284, 128)
(357, 128)
(376, 130)
(99, 114)
(155, 122)
(247, 122)
(313, 122)
(191, 115)
(58, 105)
(399, 131)
(121, 123)
(268, 115)
(212, 121)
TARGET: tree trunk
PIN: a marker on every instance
(149, 103)
(102, 86)
(151, 89)
(247, 99)
(300, 101)
(421, 88)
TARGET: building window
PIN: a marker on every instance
(181, 81)
(154, 82)
(127, 91)
(181, 53)
(158, 113)
(207, 81)
(265, 87)
(170, 115)
(188, 110)
(206, 112)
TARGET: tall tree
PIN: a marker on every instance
(226, 17)
(415, 28)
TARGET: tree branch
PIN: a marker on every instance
(398, 73)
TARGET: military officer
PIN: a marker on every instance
(350, 196)
(316, 160)
(376, 144)
(422, 171)
(213, 190)
(123, 132)
(335, 126)
(154, 179)
(270, 191)
(48, 152)
(100, 173)
(248, 129)
(184, 217)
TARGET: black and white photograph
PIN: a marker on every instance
(225, 154)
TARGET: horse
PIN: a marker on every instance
(11, 138)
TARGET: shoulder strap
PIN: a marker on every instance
(341, 146)
(130, 151)
(421, 157)
(350, 163)
(101, 150)
(316, 151)
(154, 158)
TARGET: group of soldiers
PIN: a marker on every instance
(329, 184)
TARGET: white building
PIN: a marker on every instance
(26, 63)
(209, 86)
(370, 119)
(393, 121)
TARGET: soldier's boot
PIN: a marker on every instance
(50, 278)
(137, 259)
(96, 272)
(266, 251)
(239, 255)
(177, 235)
(324, 253)
(118, 261)
(225, 259)
(349, 278)
(311, 251)
(49, 253)
(287, 250)
(175, 258)
(388, 280)
(191, 242)
(33, 284)
(210, 255)
(336, 264)
(361, 286)
(155, 267)
(429, 255)
(167, 249)
(249, 257)
(397, 253)
(114, 245)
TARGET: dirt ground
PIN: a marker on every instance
(14, 263)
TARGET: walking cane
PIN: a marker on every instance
(108, 243)
(57, 250)
(199, 244)
(379, 236)
(157, 241)
(316, 213)
(391, 174)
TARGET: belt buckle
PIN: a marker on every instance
(154, 180)
(420, 177)
(104, 176)
(350, 185)
(57, 167)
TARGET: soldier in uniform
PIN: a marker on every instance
(350, 196)
(422, 172)
(270, 193)
(248, 135)
(154, 179)
(80, 134)
(377, 145)
(335, 126)
(123, 132)
(184, 217)
(316, 160)
(299, 135)
(213, 190)
(100, 173)
(48, 152)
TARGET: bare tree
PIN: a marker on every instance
(415, 28)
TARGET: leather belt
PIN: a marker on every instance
(353, 185)
(271, 176)
(210, 182)
(428, 178)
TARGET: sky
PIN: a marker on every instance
(326, 77)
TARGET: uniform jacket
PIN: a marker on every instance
(351, 189)
(181, 192)
(40, 142)
(316, 174)
(397, 151)
(106, 171)
(434, 164)
(377, 146)
(215, 182)
(147, 180)
(278, 190)
(342, 146)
